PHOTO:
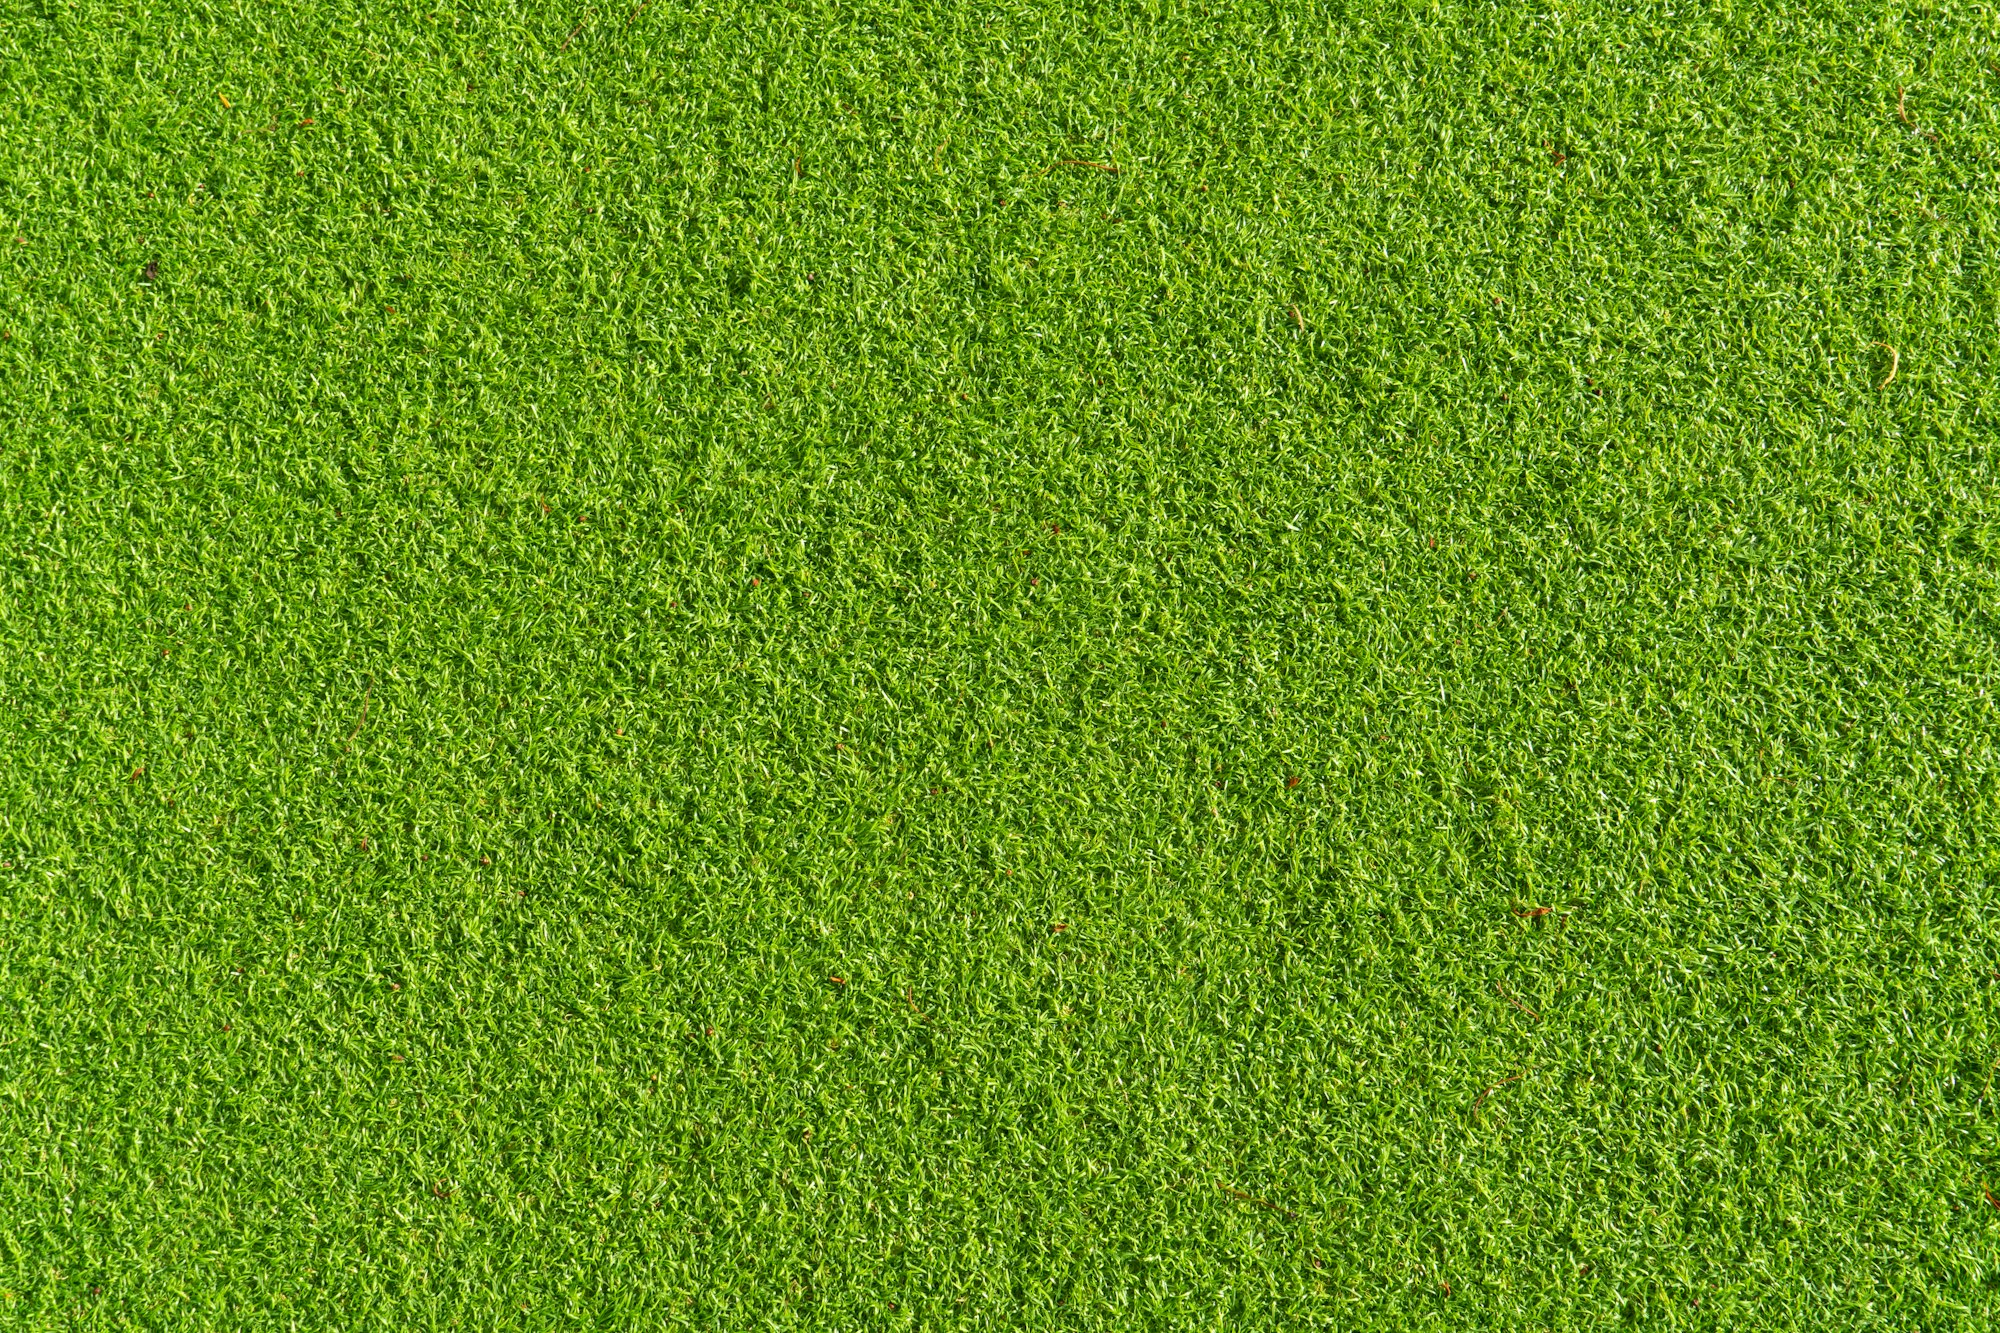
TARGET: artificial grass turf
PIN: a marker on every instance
(672, 668)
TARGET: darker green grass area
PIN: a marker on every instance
(870, 666)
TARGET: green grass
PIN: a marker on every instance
(670, 674)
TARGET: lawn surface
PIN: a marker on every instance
(850, 666)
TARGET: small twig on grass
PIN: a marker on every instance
(1989, 1196)
(1079, 162)
(1251, 1198)
(637, 10)
(577, 29)
(1298, 319)
(1490, 1091)
(1895, 360)
(910, 994)
(1502, 988)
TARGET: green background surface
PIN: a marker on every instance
(680, 667)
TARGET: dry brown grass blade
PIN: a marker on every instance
(1895, 360)
(1903, 114)
(1490, 1091)
(1251, 1198)
(1502, 988)
(367, 698)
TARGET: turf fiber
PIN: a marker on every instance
(850, 665)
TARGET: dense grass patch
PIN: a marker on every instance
(865, 666)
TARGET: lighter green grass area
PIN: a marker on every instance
(681, 667)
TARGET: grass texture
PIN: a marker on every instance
(851, 665)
